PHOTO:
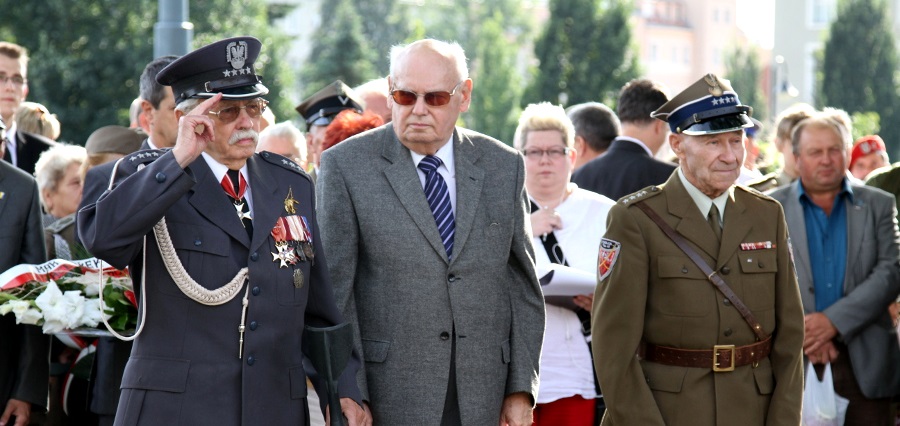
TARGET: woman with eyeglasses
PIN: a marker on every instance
(567, 223)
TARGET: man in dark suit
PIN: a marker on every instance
(629, 165)
(222, 338)
(426, 223)
(24, 351)
(596, 126)
(23, 149)
(846, 244)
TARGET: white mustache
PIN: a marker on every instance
(243, 134)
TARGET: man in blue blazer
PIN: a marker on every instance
(846, 245)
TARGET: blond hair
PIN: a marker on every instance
(544, 116)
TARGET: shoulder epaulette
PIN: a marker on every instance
(640, 195)
(755, 192)
(145, 156)
(284, 162)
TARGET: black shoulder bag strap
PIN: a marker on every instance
(711, 275)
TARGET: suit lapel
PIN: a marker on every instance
(264, 194)
(210, 201)
(402, 177)
(4, 199)
(858, 216)
(735, 229)
(692, 225)
(469, 182)
(796, 223)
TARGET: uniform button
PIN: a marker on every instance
(726, 270)
(761, 264)
(253, 325)
(198, 243)
(265, 154)
(160, 177)
(251, 360)
(726, 302)
(451, 278)
(254, 257)
(445, 335)
(728, 332)
(684, 269)
(255, 291)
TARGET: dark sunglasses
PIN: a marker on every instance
(407, 98)
(254, 110)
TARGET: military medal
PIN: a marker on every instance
(286, 254)
(298, 278)
(289, 202)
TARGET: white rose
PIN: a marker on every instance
(74, 308)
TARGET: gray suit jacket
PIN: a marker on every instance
(24, 349)
(394, 283)
(871, 282)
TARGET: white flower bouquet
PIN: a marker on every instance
(62, 295)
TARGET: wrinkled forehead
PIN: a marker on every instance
(425, 69)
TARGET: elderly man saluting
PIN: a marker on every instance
(221, 342)
(696, 278)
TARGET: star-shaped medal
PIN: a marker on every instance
(239, 207)
(285, 255)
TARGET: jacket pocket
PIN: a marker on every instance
(159, 374)
(375, 350)
(665, 378)
(298, 382)
(683, 289)
(765, 380)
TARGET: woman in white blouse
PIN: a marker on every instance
(568, 223)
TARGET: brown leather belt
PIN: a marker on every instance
(720, 358)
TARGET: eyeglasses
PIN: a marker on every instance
(16, 80)
(406, 97)
(553, 153)
(254, 110)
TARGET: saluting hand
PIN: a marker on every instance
(195, 131)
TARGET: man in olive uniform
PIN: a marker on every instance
(699, 360)
(222, 338)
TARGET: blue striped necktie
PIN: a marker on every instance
(439, 200)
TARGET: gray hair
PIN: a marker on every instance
(450, 50)
(52, 164)
(830, 118)
(188, 104)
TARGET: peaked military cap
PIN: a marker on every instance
(708, 106)
(320, 108)
(225, 66)
(114, 139)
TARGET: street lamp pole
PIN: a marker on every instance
(172, 33)
(780, 84)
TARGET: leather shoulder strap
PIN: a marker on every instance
(711, 275)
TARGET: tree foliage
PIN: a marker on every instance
(87, 59)
(743, 69)
(494, 108)
(858, 66)
(585, 52)
(340, 50)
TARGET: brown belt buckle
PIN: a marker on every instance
(716, 350)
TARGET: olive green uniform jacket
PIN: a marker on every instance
(655, 294)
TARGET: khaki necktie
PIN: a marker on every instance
(713, 219)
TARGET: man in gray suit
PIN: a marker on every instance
(24, 349)
(440, 287)
(831, 219)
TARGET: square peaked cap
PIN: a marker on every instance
(320, 108)
(708, 106)
(225, 66)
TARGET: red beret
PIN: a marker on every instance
(866, 145)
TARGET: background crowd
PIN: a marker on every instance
(578, 162)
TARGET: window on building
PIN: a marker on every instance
(821, 12)
(653, 50)
(715, 15)
(687, 56)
